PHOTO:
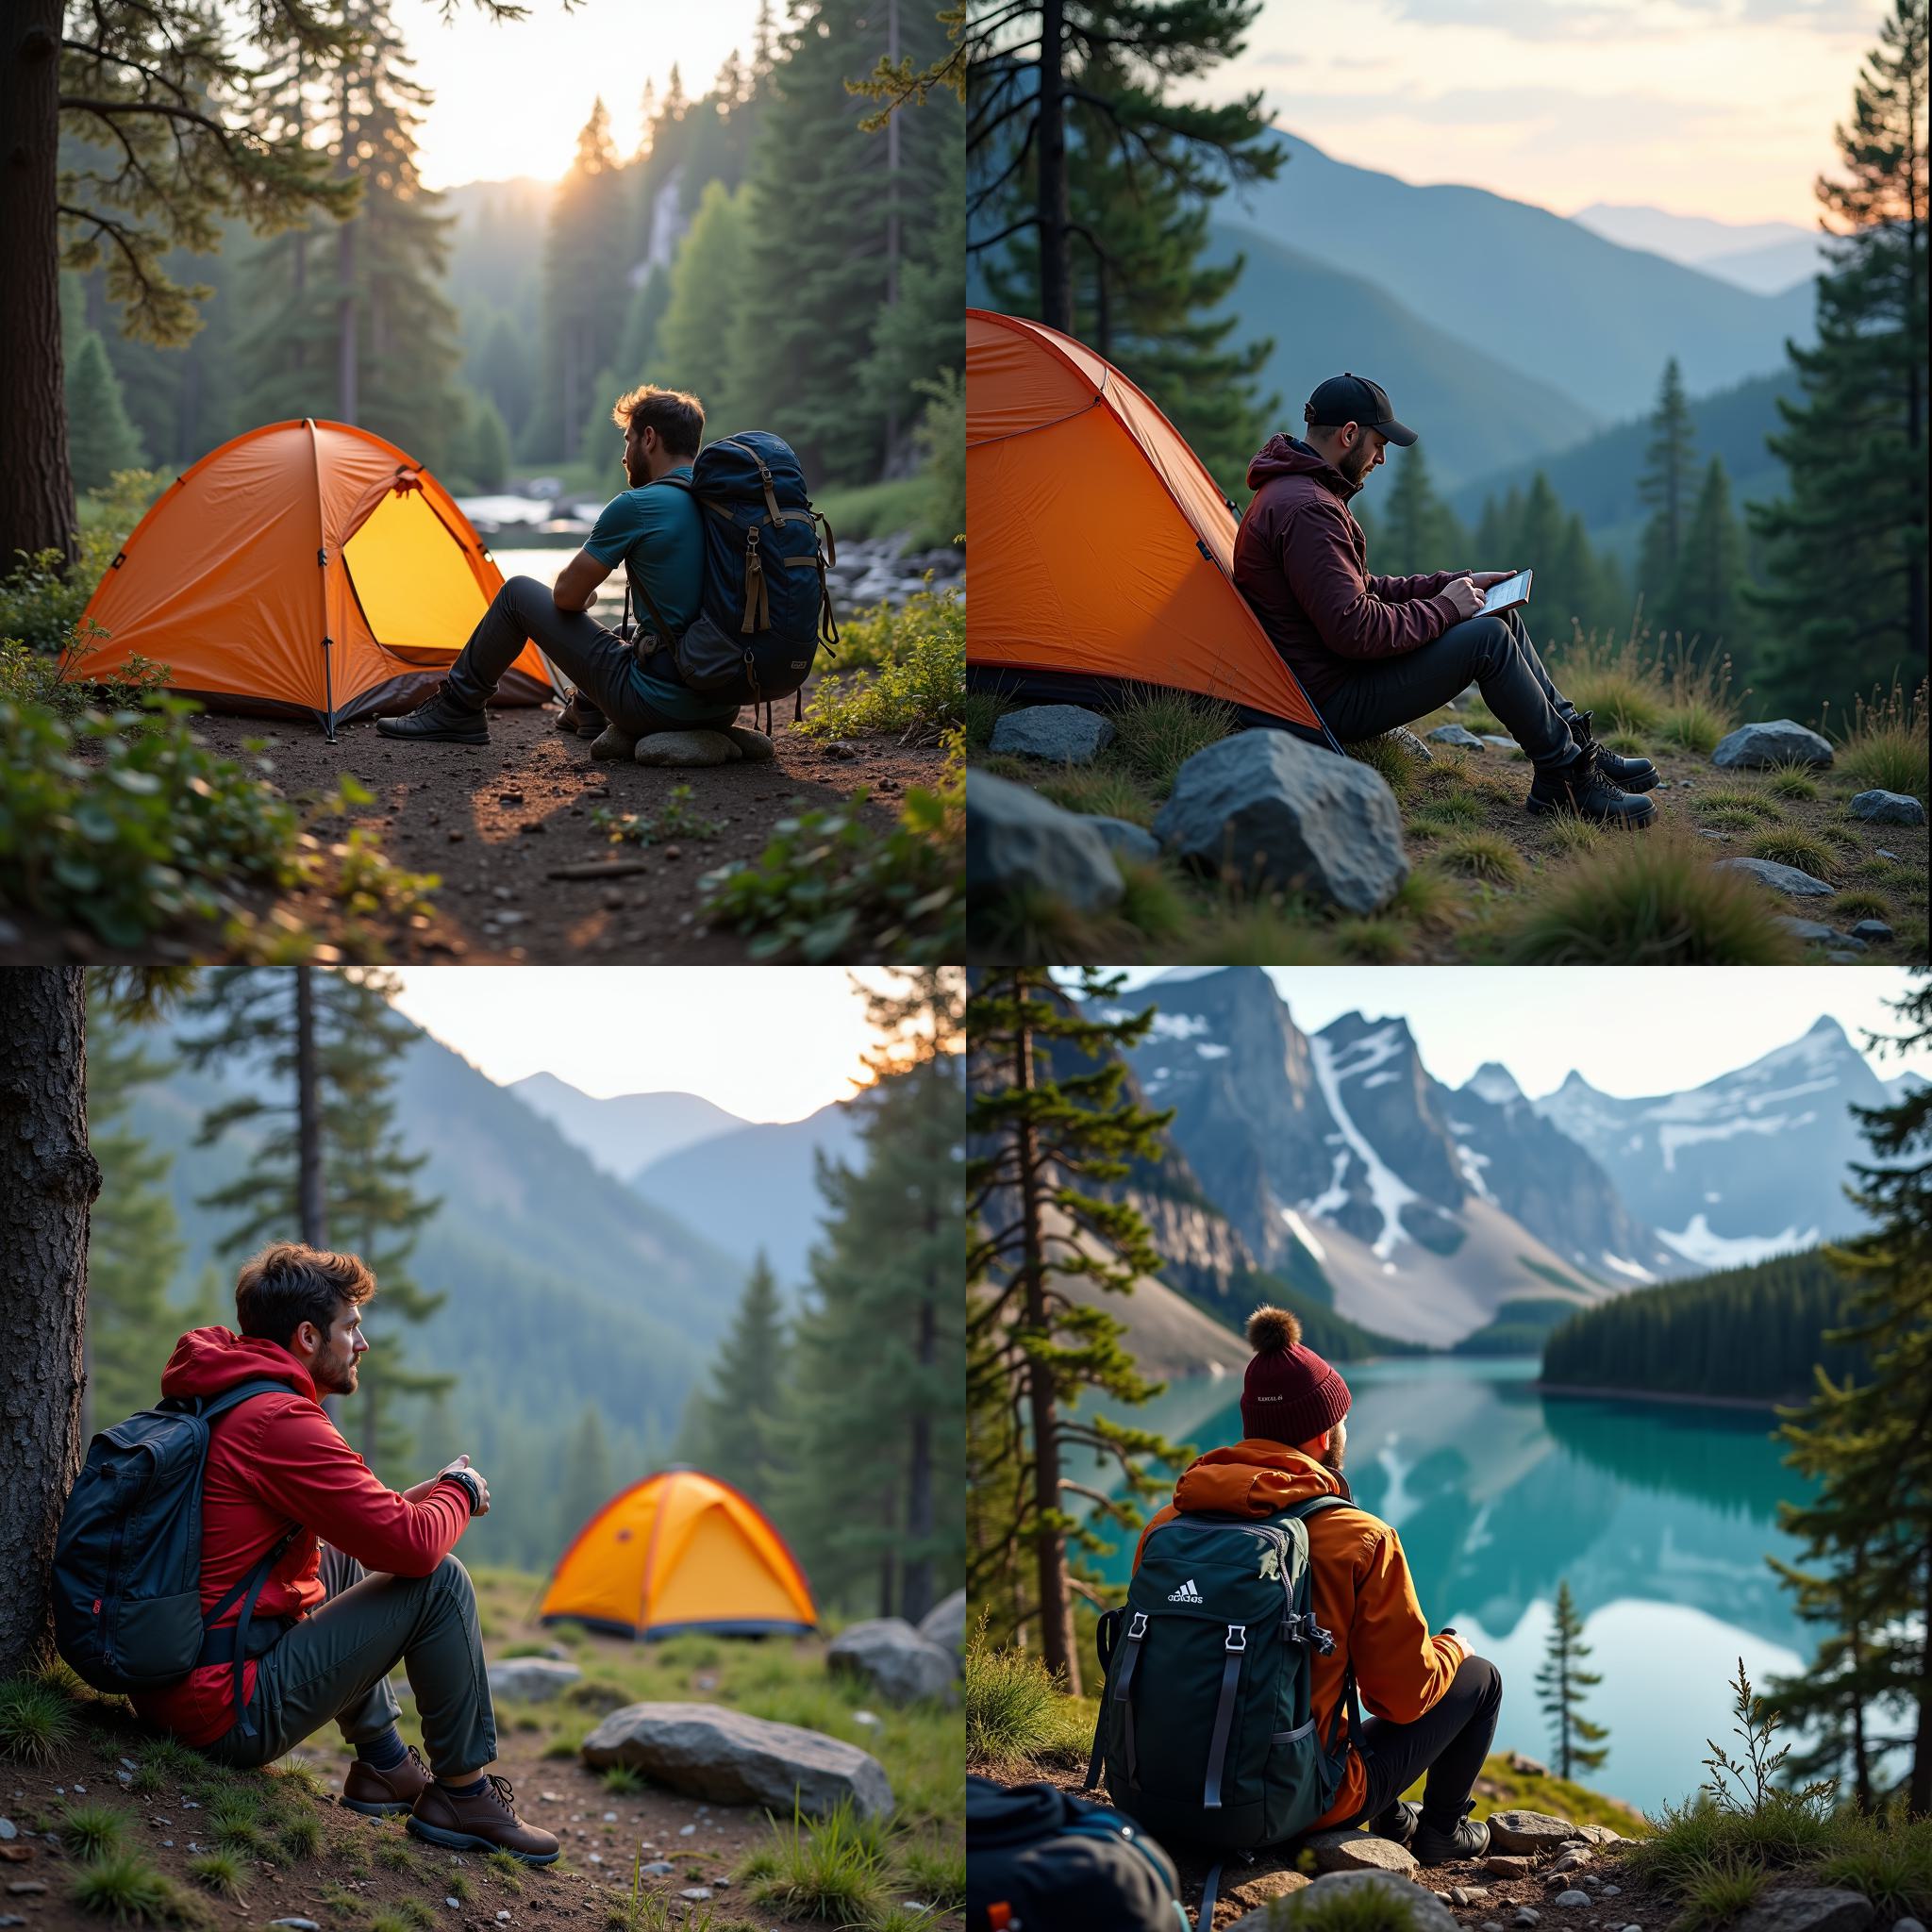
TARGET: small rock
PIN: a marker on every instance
(456, 837)
(613, 742)
(1063, 734)
(659, 1867)
(1807, 1909)
(123, 1778)
(1127, 840)
(1356, 1851)
(1893, 856)
(455, 1905)
(1612, 1892)
(530, 827)
(1504, 1866)
(503, 1917)
(1808, 931)
(509, 798)
(838, 748)
(1591, 1881)
(297, 1925)
(596, 1858)
(1842, 958)
(686, 1830)
(1529, 1831)
(9, 1829)
(1455, 734)
(1787, 879)
(1771, 742)
(1888, 808)
(1571, 1898)
(1529, 1767)
(129, 1764)
(26, 1887)
(696, 1893)
(1525, 1916)
(1874, 931)
(687, 748)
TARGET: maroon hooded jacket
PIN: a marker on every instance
(275, 1463)
(1299, 560)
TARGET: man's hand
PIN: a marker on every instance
(475, 1476)
(1465, 599)
(1488, 579)
(576, 587)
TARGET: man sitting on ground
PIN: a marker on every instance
(1373, 653)
(1434, 1707)
(654, 529)
(365, 1580)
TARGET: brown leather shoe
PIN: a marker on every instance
(485, 1820)
(382, 1793)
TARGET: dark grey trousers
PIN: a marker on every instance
(1493, 652)
(335, 1665)
(597, 660)
(1449, 1742)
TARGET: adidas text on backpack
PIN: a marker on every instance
(766, 607)
(1206, 1727)
(126, 1590)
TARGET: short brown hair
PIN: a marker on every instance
(678, 418)
(288, 1284)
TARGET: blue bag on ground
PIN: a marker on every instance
(1039, 1860)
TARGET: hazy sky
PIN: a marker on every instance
(510, 99)
(764, 1043)
(1630, 1031)
(1717, 108)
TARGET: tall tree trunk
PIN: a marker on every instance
(48, 1181)
(36, 485)
(916, 1582)
(1057, 1649)
(312, 1204)
(1056, 283)
(346, 400)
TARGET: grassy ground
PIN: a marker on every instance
(190, 1843)
(1692, 1869)
(1489, 882)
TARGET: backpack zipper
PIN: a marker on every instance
(115, 1560)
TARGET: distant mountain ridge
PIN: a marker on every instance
(1764, 256)
(1529, 289)
(624, 1132)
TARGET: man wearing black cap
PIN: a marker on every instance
(1377, 652)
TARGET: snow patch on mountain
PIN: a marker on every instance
(1300, 1229)
(1698, 1243)
(1493, 1083)
(1669, 1138)
(1334, 1198)
(1387, 1193)
(1177, 1025)
(1209, 1051)
(1620, 1266)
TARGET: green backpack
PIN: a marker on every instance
(1206, 1727)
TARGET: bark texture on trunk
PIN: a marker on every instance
(48, 1181)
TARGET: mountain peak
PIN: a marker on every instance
(1826, 1027)
(1495, 1083)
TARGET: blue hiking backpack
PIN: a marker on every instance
(1206, 1727)
(128, 1561)
(765, 608)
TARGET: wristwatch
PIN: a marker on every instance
(472, 1487)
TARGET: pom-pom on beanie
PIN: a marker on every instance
(1289, 1395)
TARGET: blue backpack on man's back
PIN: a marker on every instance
(128, 1561)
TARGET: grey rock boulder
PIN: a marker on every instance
(1873, 931)
(729, 1757)
(1571, 1899)
(1787, 879)
(888, 1656)
(945, 1624)
(1358, 1851)
(530, 1679)
(686, 749)
(1599, 1835)
(1066, 734)
(1772, 741)
(1810, 930)
(754, 747)
(1125, 838)
(1529, 1831)
(1276, 812)
(1426, 1914)
(1888, 808)
(1807, 1909)
(1016, 840)
(1455, 734)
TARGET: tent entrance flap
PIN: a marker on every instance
(416, 588)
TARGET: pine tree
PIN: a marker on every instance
(486, 456)
(1665, 487)
(1562, 1682)
(869, 1487)
(638, 349)
(1845, 550)
(1416, 531)
(100, 439)
(1865, 1443)
(1033, 1347)
(1703, 601)
(833, 211)
(507, 373)
(693, 346)
(134, 1240)
(584, 1484)
(730, 1430)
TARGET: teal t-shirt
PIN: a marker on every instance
(657, 534)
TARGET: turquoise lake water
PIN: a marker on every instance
(1659, 1515)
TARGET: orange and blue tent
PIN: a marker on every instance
(1103, 549)
(680, 1551)
(304, 569)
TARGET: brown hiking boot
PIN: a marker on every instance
(382, 1793)
(484, 1821)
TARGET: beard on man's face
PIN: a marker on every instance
(336, 1371)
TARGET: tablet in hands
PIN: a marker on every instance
(1508, 594)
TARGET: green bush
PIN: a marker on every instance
(915, 684)
(41, 597)
(153, 831)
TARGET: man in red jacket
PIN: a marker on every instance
(361, 1579)
(1373, 651)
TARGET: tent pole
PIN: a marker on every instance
(328, 693)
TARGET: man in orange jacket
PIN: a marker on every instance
(1432, 1705)
(362, 1578)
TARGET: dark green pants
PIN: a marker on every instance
(334, 1666)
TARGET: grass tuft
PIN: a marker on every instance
(1791, 781)
(1886, 746)
(1487, 856)
(981, 711)
(1015, 1712)
(217, 1872)
(1373, 942)
(36, 1720)
(1108, 790)
(1158, 732)
(1714, 1894)
(93, 1831)
(829, 1869)
(1734, 798)
(1393, 758)
(622, 1779)
(1794, 846)
(130, 1892)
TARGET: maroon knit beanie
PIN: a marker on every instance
(1289, 1395)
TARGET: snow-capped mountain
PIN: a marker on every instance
(1751, 1164)
(1423, 1209)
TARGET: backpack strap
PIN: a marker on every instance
(1205, 1923)
(764, 478)
(1350, 1698)
(1106, 1636)
(1237, 1650)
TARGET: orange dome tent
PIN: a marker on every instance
(1102, 550)
(306, 569)
(680, 1551)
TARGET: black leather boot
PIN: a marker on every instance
(1469, 1840)
(1626, 774)
(1582, 786)
(1398, 1822)
(441, 718)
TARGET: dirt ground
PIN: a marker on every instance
(498, 822)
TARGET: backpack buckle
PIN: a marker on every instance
(1234, 1631)
(1137, 1627)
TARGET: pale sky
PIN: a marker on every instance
(1630, 1030)
(1715, 107)
(510, 99)
(764, 1043)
